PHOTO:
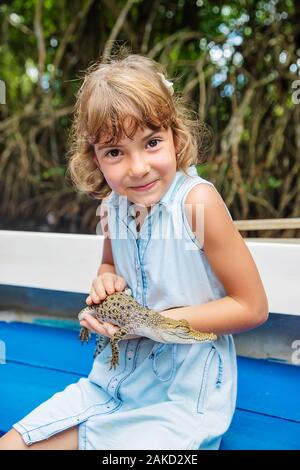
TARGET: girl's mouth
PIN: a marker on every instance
(144, 188)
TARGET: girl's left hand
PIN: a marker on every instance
(104, 328)
(95, 326)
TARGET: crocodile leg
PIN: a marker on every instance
(101, 342)
(84, 334)
(114, 359)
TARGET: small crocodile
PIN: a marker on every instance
(121, 309)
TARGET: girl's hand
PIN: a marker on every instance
(106, 283)
(95, 326)
(104, 328)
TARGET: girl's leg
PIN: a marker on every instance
(65, 440)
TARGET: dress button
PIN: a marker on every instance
(130, 354)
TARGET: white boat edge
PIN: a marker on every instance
(69, 262)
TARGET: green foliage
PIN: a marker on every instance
(249, 54)
(274, 182)
(52, 172)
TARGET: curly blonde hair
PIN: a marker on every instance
(117, 89)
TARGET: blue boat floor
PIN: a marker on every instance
(36, 366)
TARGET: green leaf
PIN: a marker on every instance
(274, 182)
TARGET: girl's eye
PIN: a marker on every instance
(113, 150)
(112, 154)
(154, 140)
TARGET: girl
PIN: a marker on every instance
(136, 146)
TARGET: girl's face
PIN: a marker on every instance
(129, 166)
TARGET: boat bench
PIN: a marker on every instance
(42, 360)
(51, 273)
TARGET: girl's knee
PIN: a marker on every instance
(65, 440)
(12, 440)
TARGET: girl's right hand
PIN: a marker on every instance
(105, 284)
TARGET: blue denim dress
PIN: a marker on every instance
(161, 396)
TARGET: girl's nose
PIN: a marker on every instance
(138, 166)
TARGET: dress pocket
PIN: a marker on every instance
(164, 357)
(204, 382)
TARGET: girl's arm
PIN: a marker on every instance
(246, 304)
(107, 263)
(107, 266)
